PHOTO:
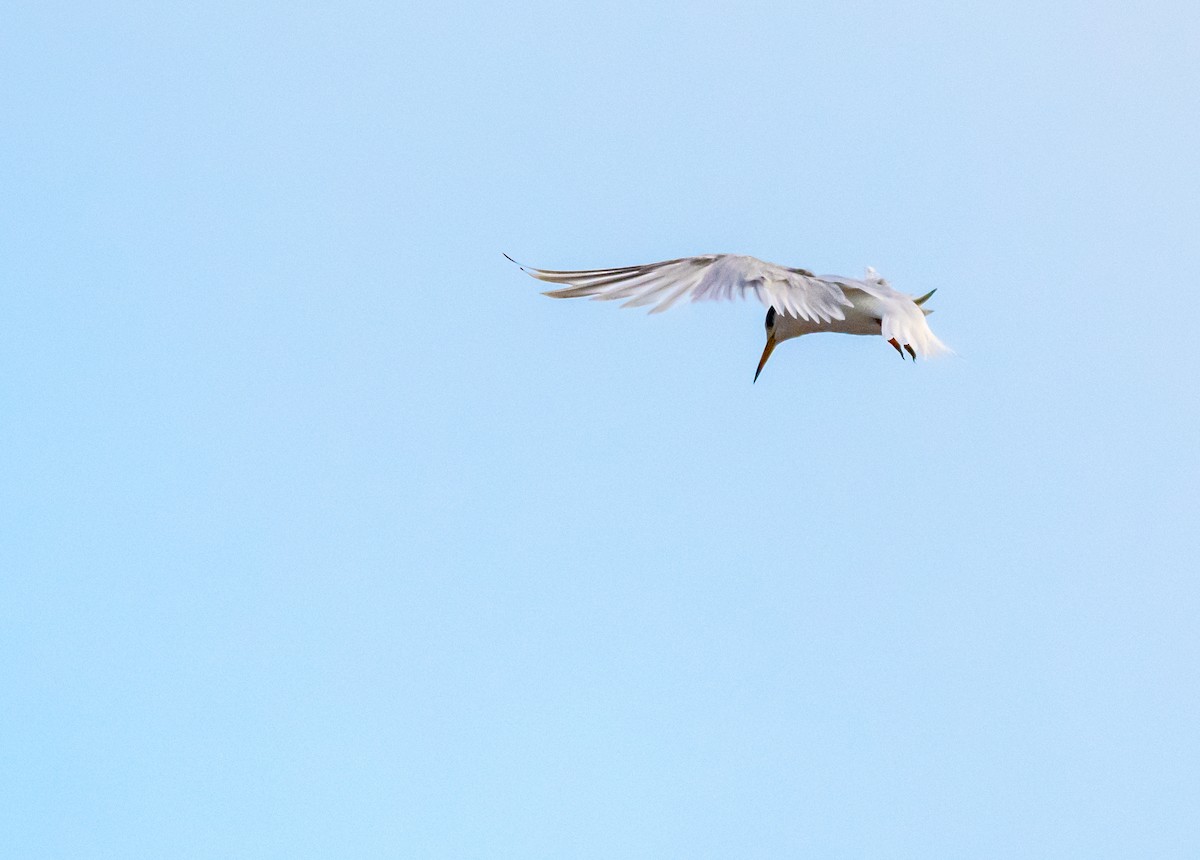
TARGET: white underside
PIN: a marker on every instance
(883, 311)
(863, 317)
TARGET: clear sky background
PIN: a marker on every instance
(324, 534)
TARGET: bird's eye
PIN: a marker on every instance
(770, 317)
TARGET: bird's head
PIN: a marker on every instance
(772, 340)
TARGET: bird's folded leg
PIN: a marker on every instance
(908, 348)
(893, 342)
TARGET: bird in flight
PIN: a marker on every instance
(798, 302)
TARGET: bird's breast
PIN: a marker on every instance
(860, 318)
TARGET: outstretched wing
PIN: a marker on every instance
(794, 292)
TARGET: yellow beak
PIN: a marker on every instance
(767, 350)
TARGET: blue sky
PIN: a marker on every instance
(324, 534)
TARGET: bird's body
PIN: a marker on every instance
(798, 301)
(862, 316)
